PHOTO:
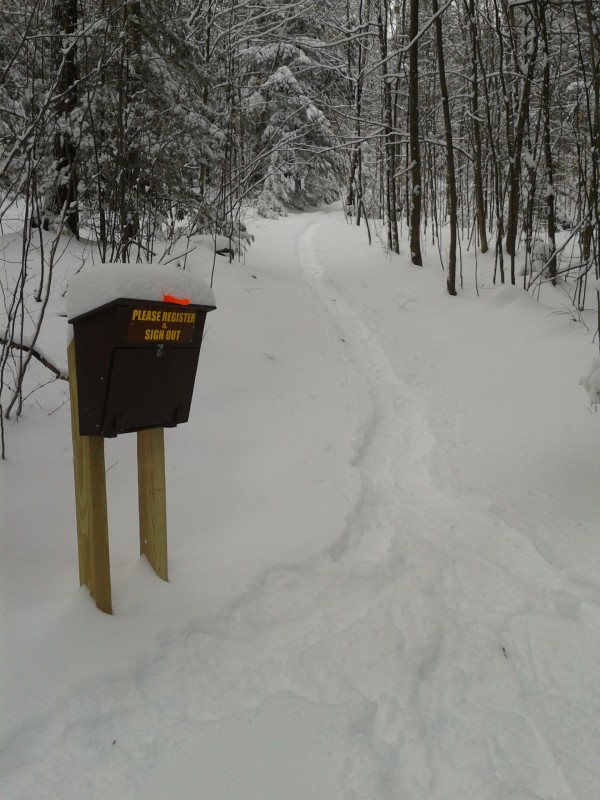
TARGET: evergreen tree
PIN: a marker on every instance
(287, 98)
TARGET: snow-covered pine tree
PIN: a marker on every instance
(291, 72)
(149, 132)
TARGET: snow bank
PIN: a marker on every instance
(96, 285)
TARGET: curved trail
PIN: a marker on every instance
(393, 446)
(451, 593)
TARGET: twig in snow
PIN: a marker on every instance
(37, 355)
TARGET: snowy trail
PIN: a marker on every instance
(393, 446)
(473, 563)
(430, 654)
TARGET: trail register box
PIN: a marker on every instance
(136, 364)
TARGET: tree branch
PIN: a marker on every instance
(63, 376)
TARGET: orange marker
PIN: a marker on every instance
(181, 301)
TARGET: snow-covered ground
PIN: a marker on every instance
(383, 550)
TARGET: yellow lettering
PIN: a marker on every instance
(172, 316)
(177, 316)
(153, 335)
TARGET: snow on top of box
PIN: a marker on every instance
(96, 285)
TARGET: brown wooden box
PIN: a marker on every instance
(136, 365)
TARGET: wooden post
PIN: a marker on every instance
(90, 503)
(153, 499)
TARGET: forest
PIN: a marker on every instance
(383, 549)
(472, 122)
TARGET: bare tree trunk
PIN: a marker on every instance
(545, 100)
(593, 20)
(413, 134)
(389, 139)
(354, 190)
(65, 17)
(127, 154)
(526, 72)
(476, 127)
(450, 169)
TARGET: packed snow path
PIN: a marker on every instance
(437, 647)
(459, 587)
